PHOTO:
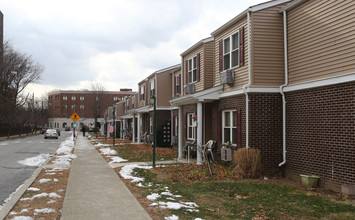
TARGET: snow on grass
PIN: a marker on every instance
(51, 195)
(153, 196)
(117, 159)
(173, 217)
(33, 189)
(108, 151)
(44, 180)
(102, 145)
(45, 210)
(190, 206)
(22, 218)
(63, 153)
(35, 161)
(126, 172)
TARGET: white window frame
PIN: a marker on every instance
(151, 125)
(231, 127)
(191, 123)
(73, 98)
(192, 69)
(65, 97)
(82, 98)
(176, 125)
(231, 51)
(177, 84)
(142, 93)
(152, 87)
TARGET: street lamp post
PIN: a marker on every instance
(153, 99)
(114, 124)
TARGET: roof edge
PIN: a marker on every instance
(201, 42)
(291, 5)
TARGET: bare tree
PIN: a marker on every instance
(17, 71)
(98, 89)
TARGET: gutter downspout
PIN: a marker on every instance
(248, 84)
(282, 92)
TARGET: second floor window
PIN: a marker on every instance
(73, 106)
(65, 97)
(177, 85)
(82, 98)
(115, 98)
(65, 106)
(133, 101)
(73, 98)
(152, 87)
(81, 106)
(192, 70)
(231, 51)
(142, 92)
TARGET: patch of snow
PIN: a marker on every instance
(33, 189)
(22, 218)
(44, 180)
(102, 145)
(117, 159)
(108, 151)
(173, 217)
(154, 204)
(167, 193)
(45, 210)
(153, 196)
(55, 180)
(50, 173)
(169, 198)
(175, 205)
(24, 211)
(126, 172)
(51, 201)
(35, 161)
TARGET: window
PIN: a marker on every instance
(176, 126)
(192, 69)
(82, 98)
(115, 98)
(73, 98)
(81, 106)
(177, 80)
(142, 92)
(73, 106)
(97, 98)
(151, 125)
(65, 106)
(65, 97)
(191, 127)
(229, 125)
(152, 87)
(231, 51)
(133, 101)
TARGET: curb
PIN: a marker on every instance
(12, 202)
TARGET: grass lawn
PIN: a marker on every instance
(225, 197)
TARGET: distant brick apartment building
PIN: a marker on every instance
(63, 104)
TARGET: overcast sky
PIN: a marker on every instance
(115, 42)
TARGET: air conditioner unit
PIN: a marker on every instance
(189, 88)
(227, 77)
(226, 154)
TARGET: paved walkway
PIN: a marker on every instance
(94, 190)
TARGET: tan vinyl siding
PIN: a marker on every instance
(172, 83)
(163, 89)
(321, 40)
(267, 47)
(120, 109)
(240, 73)
(208, 65)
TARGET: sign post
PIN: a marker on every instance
(74, 117)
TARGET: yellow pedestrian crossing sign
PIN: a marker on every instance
(75, 117)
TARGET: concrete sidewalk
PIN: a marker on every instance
(94, 190)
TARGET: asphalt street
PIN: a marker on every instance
(12, 173)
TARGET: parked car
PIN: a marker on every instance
(67, 128)
(58, 131)
(51, 133)
(44, 129)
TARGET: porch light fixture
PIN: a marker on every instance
(153, 100)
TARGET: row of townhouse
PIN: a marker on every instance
(278, 77)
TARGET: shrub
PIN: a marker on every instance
(248, 162)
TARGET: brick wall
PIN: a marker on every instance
(321, 134)
(265, 128)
